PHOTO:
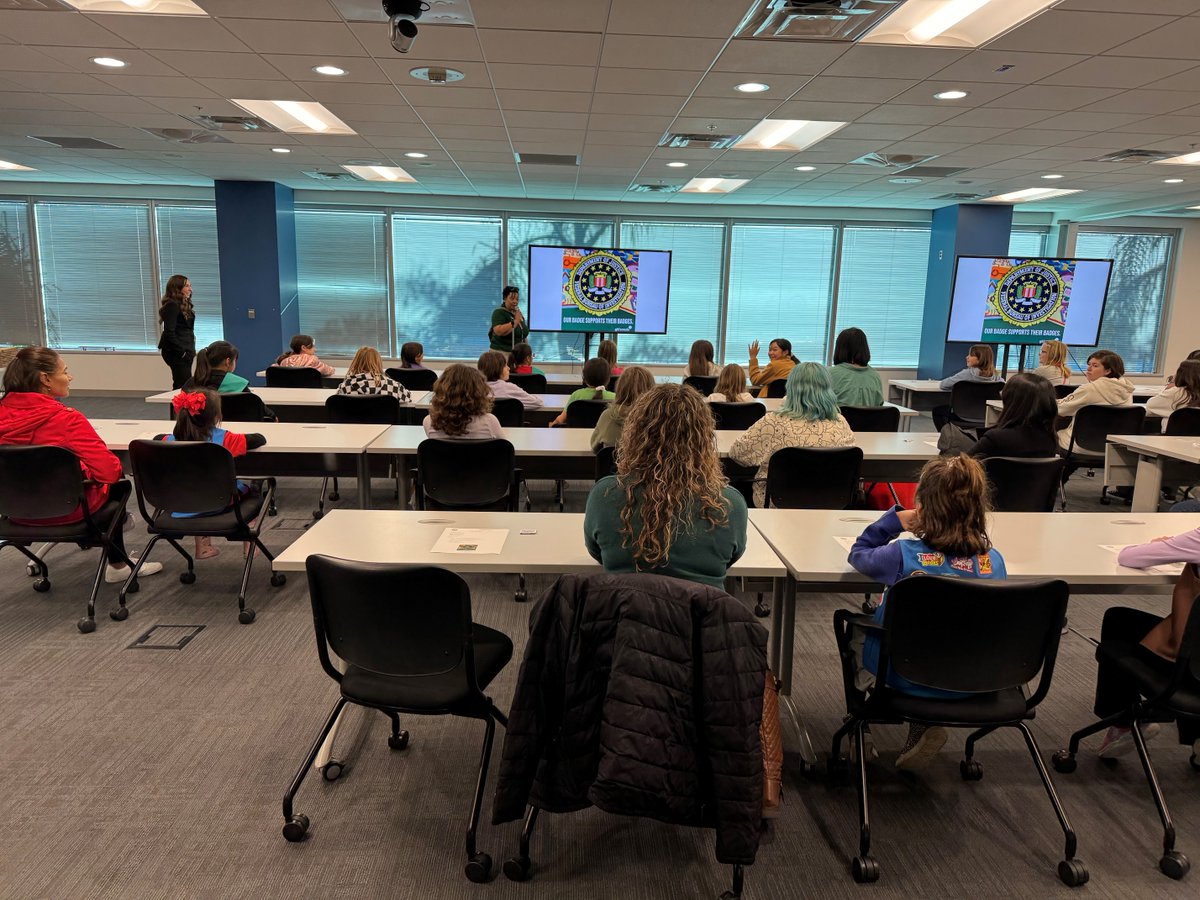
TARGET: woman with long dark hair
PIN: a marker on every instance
(178, 317)
(1026, 426)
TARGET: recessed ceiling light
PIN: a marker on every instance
(416, 154)
(806, 168)
(950, 95)
(1051, 177)
(280, 150)
(786, 134)
(296, 116)
(954, 23)
(713, 185)
(110, 62)
(752, 87)
(1172, 181)
(1194, 207)
(1024, 196)
(144, 7)
(380, 173)
(14, 167)
(905, 180)
(676, 164)
(329, 70)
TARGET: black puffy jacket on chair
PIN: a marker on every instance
(642, 695)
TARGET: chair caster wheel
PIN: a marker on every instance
(278, 579)
(1194, 762)
(333, 770)
(134, 587)
(42, 585)
(188, 577)
(970, 770)
(1063, 761)
(520, 597)
(296, 829)
(120, 614)
(870, 607)
(87, 625)
(272, 511)
(318, 513)
(246, 616)
(517, 869)
(31, 570)
(1072, 873)
(1174, 864)
(762, 611)
(334, 496)
(398, 741)
(864, 869)
(479, 868)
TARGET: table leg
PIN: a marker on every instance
(326, 751)
(787, 635)
(364, 481)
(776, 624)
(1147, 485)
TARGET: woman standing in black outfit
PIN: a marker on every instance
(178, 341)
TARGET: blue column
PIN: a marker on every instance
(969, 229)
(256, 239)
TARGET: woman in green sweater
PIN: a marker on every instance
(854, 381)
(668, 510)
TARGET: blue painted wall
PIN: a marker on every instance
(966, 230)
(256, 239)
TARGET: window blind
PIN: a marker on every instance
(187, 245)
(19, 312)
(1026, 243)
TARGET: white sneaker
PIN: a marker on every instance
(1119, 741)
(113, 575)
(921, 747)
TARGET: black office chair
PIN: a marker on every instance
(606, 462)
(1184, 422)
(1064, 390)
(531, 383)
(612, 383)
(159, 469)
(1089, 436)
(968, 402)
(1172, 692)
(410, 646)
(47, 483)
(776, 388)
(872, 418)
(705, 384)
(293, 377)
(413, 379)
(988, 638)
(1024, 485)
(737, 416)
(243, 407)
(810, 478)
(355, 409)
(585, 413)
(510, 411)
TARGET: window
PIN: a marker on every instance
(19, 306)
(341, 268)
(187, 245)
(780, 285)
(548, 346)
(1029, 244)
(447, 281)
(694, 306)
(1136, 293)
(97, 281)
(881, 289)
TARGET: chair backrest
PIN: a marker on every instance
(705, 384)
(872, 418)
(510, 411)
(968, 634)
(585, 413)
(293, 377)
(811, 478)
(777, 388)
(413, 379)
(1064, 390)
(362, 409)
(606, 462)
(242, 407)
(182, 476)
(1094, 423)
(1184, 422)
(531, 383)
(466, 474)
(1023, 485)
(969, 399)
(391, 619)
(39, 482)
(737, 416)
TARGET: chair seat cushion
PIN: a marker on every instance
(434, 693)
(222, 523)
(979, 709)
(71, 531)
(1150, 673)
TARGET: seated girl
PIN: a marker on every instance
(1052, 362)
(412, 355)
(366, 377)
(461, 407)
(636, 381)
(1183, 391)
(520, 360)
(214, 370)
(494, 366)
(1106, 386)
(1026, 425)
(303, 354)
(596, 374)
(607, 351)
(779, 351)
(854, 381)
(700, 361)
(731, 386)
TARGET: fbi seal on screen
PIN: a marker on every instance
(1029, 294)
(600, 283)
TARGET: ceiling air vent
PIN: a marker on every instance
(1131, 156)
(959, 198)
(676, 140)
(654, 188)
(43, 5)
(893, 162)
(74, 143)
(934, 171)
(333, 176)
(547, 159)
(188, 136)
(231, 123)
(814, 20)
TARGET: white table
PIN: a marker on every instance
(271, 396)
(926, 393)
(1143, 460)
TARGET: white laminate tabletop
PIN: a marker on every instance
(271, 396)
(282, 437)
(932, 386)
(1036, 545)
(1186, 449)
(406, 537)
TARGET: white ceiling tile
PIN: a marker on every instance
(211, 64)
(990, 65)
(173, 32)
(897, 114)
(61, 83)
(546, 101)
(1118, 71)
(703, 18)
(159, 86)
(461, 116)
(543, 15)
(447, 43)
(736, 107)
(1047, 137)
(513, 76)
(877, 61)
(782, 57)
(315, 10)
(353, 113)
(639, 105)
(543, 48)
(457, 145)
(1178, 39)
(1184, 81)
(857, 90)
(358, 69)
(680, 54)
(1148, 103)
(243, 89)
(1050, 96)
(332, 92)
(638, 124)
(529, 118)
(658, 82)
(979, 93)
(29, 60)
(997, 117)
(875, 132)
(822, 112)
(1068, 31)
(1173, 125)
(106, 103)
(961, 134)
(56, 29)
(1092, 121)
(433, 96)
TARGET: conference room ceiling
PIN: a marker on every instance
(604, 80)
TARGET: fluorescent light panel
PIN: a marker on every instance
(381, 173)
(1024, 196)
(296, 116)
(792, 135)
(1188, 159)
(713, 185)
(6, 166)
(140, 7)
(954, 23)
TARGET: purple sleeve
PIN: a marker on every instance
(875, 555)
(1181, 548)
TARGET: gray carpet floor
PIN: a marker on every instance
(158, 773)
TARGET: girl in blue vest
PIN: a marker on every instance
(949, 524)
(198, 418)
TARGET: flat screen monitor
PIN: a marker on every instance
(1014, 300)
(589, 289)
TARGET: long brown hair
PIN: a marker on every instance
(491, 364)
(700, 358)
(460, 395)
(608, 352)
(731, 382)
(667, 466)
(954, 501)
(23, 375)
(596, 372)
(986, 357)
(198, 426)
(295, 346)
(1187, 376)
(207, 361)
(634, 382)
(173, 293)
(367, 361)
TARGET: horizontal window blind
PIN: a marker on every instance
(187, 245)
(1029, 244)
(96, 276)
(19, 311)
(341, 268)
